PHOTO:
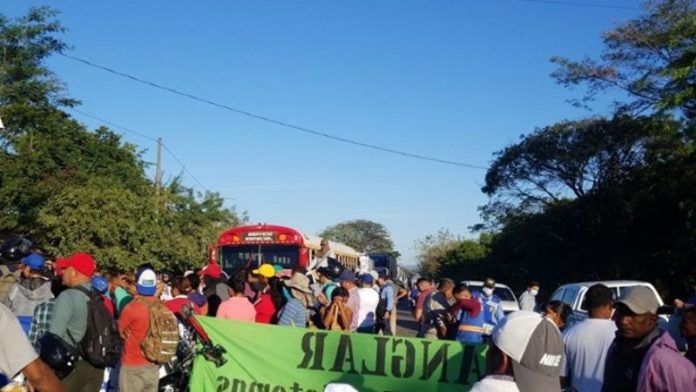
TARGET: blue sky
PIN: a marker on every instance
(456, 80)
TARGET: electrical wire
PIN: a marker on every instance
(125, 129)
(166, 148)
(183, 166)
(273, 121)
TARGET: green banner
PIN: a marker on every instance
(270, 358)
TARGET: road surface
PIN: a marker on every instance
(406, 325)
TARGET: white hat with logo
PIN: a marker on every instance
(535, 346)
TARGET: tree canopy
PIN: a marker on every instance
(574, 159)
(652, 59)
(601, 197)
(72, 189)
(362, 234)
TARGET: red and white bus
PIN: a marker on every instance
(285, 246)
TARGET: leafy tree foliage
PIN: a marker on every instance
(603, 198)
(432, 251)
(72, 189)
(651, 58)
(28, 89)
(463, 261)
(362, 234)
(577, 158)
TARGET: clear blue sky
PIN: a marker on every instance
(456, 80)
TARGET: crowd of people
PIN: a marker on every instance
(618, 347)
(51, 303)
(59, 307)
(328, 298)
(456, 311)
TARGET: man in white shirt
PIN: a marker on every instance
(587, 343)
(528, 298)
(367, 308)
(321, 257)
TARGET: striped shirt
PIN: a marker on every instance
(293, 313)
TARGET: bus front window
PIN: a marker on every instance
(234, 257)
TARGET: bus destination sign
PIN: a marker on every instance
(259, 236)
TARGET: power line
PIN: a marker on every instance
(583, 4)
(272, 121)
(183, 166)
(166, 148)
(125, 129)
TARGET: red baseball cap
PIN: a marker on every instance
(81, 262)
(213, 270)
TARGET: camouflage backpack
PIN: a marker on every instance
(162, 338)
(8, 279)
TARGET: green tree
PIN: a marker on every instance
(573, 159)
(28, 89)
(621, 209)
(652, 59)
(432, 249)
(190, 223)
(362, 234)
(607, 198)
(461, 261)
(72, 189)
(103, 217)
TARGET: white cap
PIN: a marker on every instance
(535, 346)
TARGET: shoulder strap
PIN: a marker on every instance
(76, 344)
(85, 291)
(427, 306)
(150, 305)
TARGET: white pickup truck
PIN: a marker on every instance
(573, 294)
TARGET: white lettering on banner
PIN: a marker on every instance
(550, 360)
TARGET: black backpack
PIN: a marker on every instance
(101, 346)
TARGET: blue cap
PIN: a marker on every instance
(34, 261)
(346, 276)
(100, 284)
(367, 278)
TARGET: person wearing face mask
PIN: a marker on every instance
(528, 298)
(492, 307)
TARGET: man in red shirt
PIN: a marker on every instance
(137, 373)
(265, 308)
(426, 288)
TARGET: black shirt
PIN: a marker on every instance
(623, 362)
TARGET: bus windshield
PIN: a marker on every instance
(233, 257)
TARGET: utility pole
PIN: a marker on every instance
(158, 171)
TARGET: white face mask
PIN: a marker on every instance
(534, 292)
(487, 291)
